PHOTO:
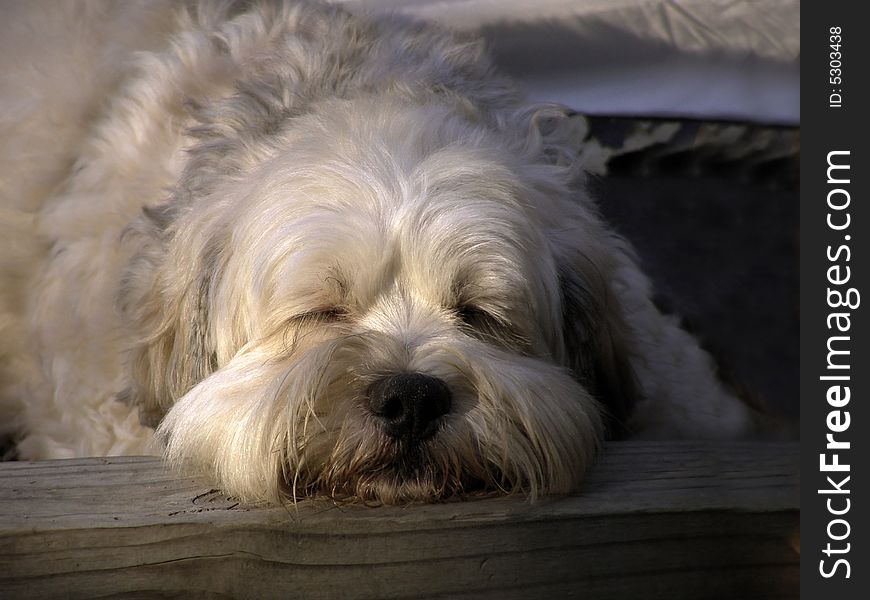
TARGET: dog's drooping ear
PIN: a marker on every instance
(170, 314)
(595, 334)
(597, 343)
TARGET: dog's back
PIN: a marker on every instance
(59, 63)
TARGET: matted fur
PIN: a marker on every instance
(236, 219)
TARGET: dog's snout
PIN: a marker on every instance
(410, 404)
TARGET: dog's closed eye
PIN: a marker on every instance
(476, 317)
(492, 328)
(325, 315)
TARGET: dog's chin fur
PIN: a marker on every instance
(240, 425)
(282, 206)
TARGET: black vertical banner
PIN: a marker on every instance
(835, 300)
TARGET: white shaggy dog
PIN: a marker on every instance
(327, 254)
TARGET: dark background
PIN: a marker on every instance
(715, 221)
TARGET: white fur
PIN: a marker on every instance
(325, 196)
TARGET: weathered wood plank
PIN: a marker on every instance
(661, 520)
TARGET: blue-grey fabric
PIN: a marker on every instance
(711, 59)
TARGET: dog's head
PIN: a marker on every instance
(384, 302)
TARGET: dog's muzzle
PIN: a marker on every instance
(410, 405)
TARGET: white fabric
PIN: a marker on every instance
(694, 58)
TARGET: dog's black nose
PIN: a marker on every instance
(410, 404)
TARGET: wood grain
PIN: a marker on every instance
(653, 520)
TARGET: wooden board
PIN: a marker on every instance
(654, 520)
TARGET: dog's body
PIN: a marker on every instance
(329, 255)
